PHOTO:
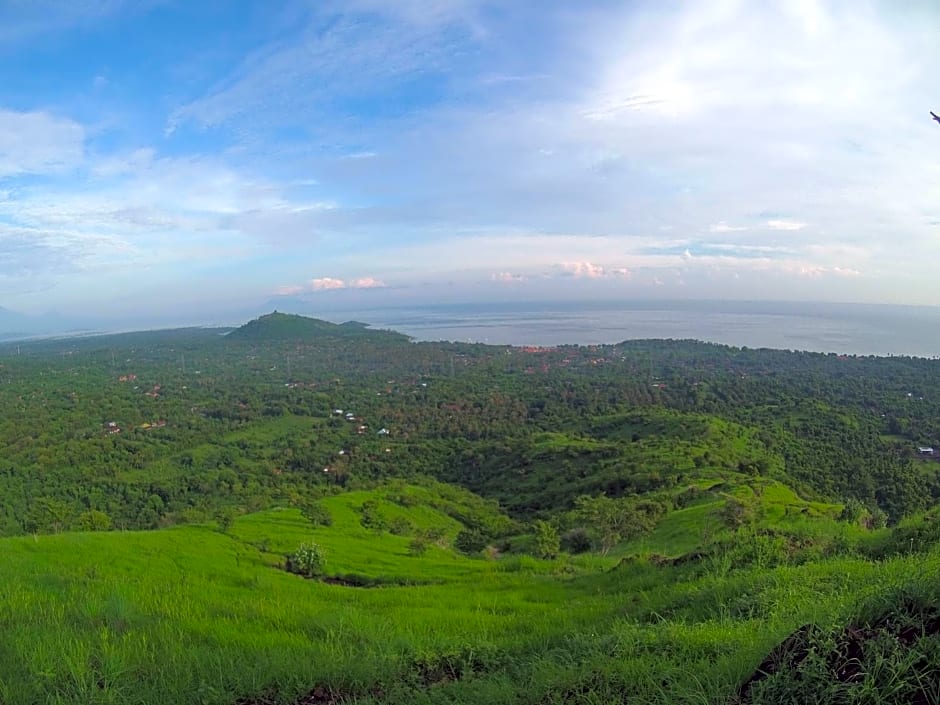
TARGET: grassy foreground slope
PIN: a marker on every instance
(192, 615)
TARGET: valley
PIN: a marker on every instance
(652, 521)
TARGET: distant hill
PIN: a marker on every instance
(288, 326)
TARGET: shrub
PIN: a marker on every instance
(400, 526)
(316, 513)
(471, 541)
(308, 560)
(418, 546)
(577, 540)
(852, 512)
(371, 517)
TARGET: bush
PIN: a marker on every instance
(418, 546)
(308, 560)
(400, 526)
(852, 512)
(316, 513)
(371, 517)
(577, 540)
(471, 541)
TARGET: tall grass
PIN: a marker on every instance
(192, 615)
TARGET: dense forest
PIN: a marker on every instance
(152, 429)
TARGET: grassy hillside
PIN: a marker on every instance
(190, 614)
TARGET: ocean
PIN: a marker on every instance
(861, 329)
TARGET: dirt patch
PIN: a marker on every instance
(353, 581)
(785, 656)
(848, 658)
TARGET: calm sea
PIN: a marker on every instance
(842, 328)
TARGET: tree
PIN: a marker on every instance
(547, 543)
(613, 521)
(852, 512)
(94, 520)
(225, 517)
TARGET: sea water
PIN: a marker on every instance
(863, 329)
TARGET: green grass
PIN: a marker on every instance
(190, 615)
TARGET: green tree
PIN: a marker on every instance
(611, 520)
(547, 542)
(94, 520)
(225, 517)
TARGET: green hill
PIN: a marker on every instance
(194, 615)
(287, 326)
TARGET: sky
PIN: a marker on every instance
(192, 160)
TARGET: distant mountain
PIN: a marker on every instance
(288, 326)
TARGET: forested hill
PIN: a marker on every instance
(288, 326)
(548, 525)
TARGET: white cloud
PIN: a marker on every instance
(783, 224)
(507, 277)
(723, 227)
(583, 269)
(326, 283)
(331, 284)
(38, 143)
(366, 283)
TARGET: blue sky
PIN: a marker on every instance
(199, 159)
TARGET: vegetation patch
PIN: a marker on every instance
(893, 659)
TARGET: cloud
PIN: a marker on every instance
(583, 269)
(723, 227)
(366, 283)
(38, 143)
(344, 53)
(782, 224)
(331, 284)
(813, 271)
(326, 283)
(507, 277)
(777, 144)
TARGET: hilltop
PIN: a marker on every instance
(288, 326)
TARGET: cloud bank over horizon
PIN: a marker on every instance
(195, 159)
